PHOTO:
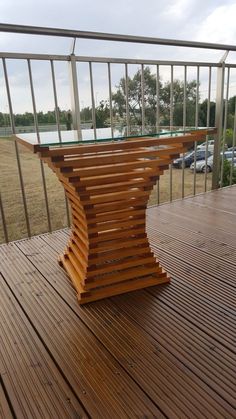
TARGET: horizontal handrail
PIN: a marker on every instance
(71, 33)
(120, 60)
(30, 56)
(129, 113)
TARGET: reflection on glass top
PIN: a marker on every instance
(102, 135)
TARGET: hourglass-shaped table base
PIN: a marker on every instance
(108, 187)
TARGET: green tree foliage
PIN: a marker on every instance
(86, 114)
(203, 114)
(181, 93)
(135, 97)
(150, 99)
(102, 114)
(229, 137)
(226, 173)
(231, 105)
(3, 119)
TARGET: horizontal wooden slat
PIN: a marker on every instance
(96, 160)
(121, 264)
(119, 187)
(120, 243)
(127, 144)
(144, 173)
(116, 254)
(121, 168)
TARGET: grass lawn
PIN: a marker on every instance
(12, 199)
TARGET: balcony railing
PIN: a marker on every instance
(27, 205)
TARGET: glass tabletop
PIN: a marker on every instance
(54, 138)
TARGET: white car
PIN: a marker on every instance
(207, 166)
(203, 146)
(203, 165)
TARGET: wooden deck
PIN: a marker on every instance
(167, 351)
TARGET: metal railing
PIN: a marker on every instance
(222, 69)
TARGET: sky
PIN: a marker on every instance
(208, 21)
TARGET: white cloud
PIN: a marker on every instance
(219, 26)
(211, 20)
(178, 9)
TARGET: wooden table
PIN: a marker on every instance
(108, 184)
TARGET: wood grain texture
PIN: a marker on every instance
(161, 352)
(108, 187)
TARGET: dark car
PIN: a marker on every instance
(189, 158)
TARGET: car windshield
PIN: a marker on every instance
(191, 153)
(229, 153)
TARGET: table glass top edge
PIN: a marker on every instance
(70, 138)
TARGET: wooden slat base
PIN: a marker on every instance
(108, 188)
(110, 290)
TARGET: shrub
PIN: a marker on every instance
(226, 174)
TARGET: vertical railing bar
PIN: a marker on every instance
(171, 125)
(38, 138)
(171, 95)
(225, 127)
(184, 123)
(92, 99)
(158, 99)
(158, 122)
(33, 101)
(208, 124)
(75, 103)
(58, 127)
(218, 124)
(196, 126)
(110, 98)
(3, 220)
(16, 147)
(233, 147)
(142, 98)
(127, 99)
(55, 100)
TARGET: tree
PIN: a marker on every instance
(178, 101)
(226, 174)
(150, 99)
(231, 105)
(135, 97)
(102, 114)
(2, 120)
(86, 114)
(203, 114)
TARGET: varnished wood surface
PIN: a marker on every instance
(108, 188)
(166, 351)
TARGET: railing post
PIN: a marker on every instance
(75, 106)
(218, 121)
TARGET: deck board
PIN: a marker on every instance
(167, 351)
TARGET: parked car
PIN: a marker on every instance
(189, 158)
(203, 165)
(229, 153)
(206, 166)
(204, 145)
